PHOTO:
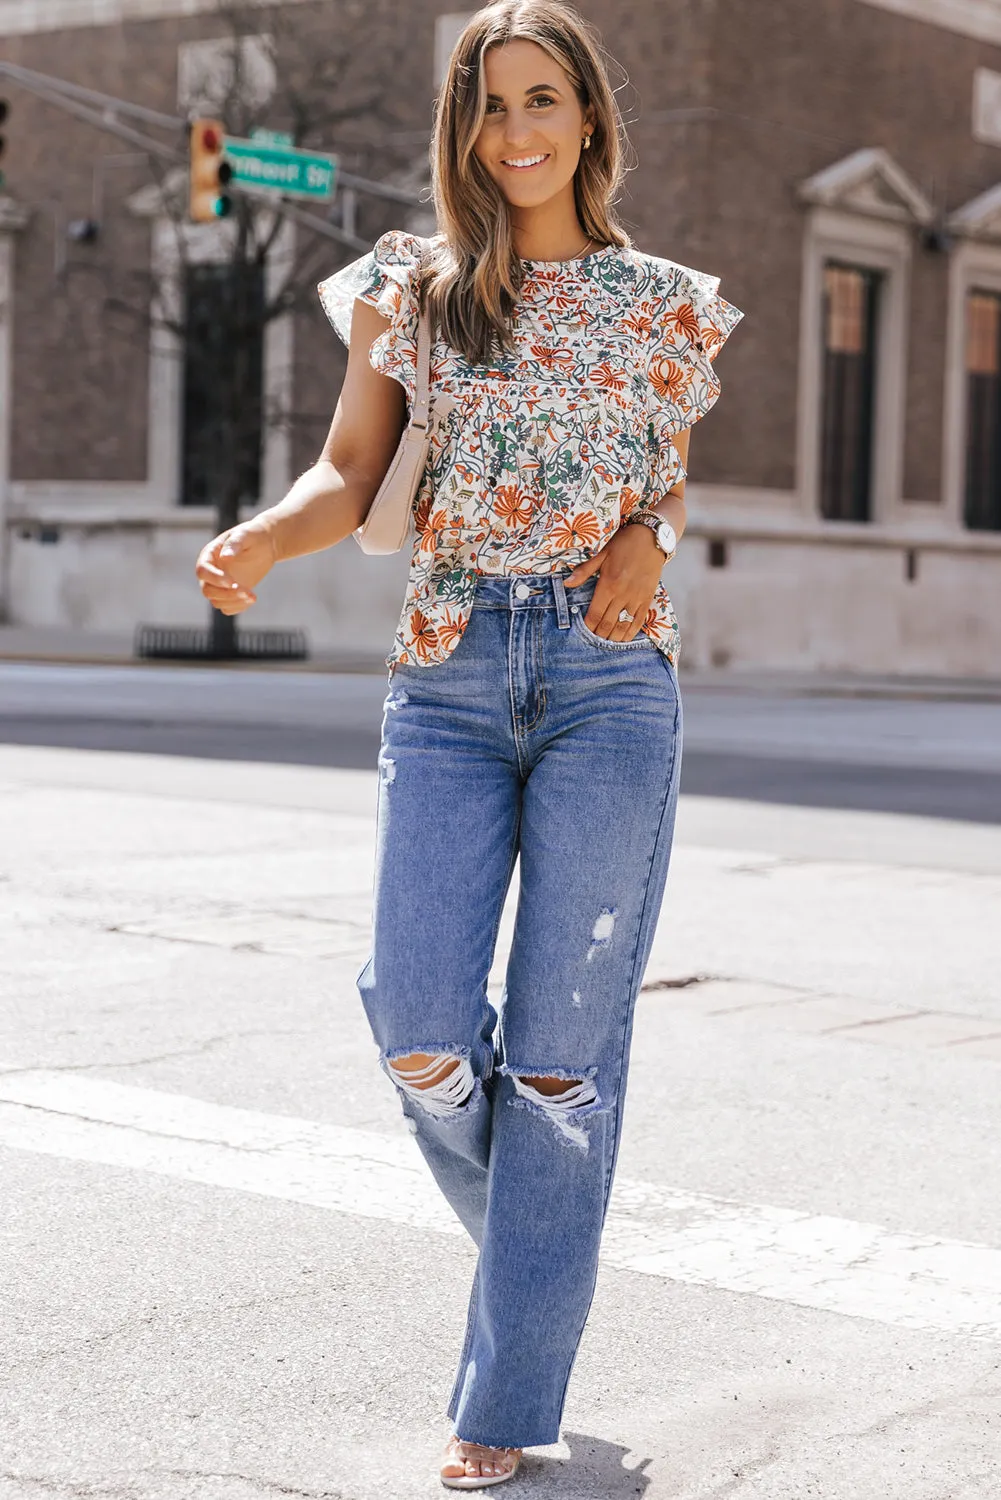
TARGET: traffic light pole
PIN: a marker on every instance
(103, 112)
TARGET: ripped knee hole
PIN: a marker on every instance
(550, 1086)
(440, 1083)
(559, 1094)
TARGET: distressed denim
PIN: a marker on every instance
(538, 741)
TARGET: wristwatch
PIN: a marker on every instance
(663, 531)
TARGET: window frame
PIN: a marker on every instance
(883, 246)
(975, 265)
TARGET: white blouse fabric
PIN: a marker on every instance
(536, 460)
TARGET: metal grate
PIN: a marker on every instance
(189, 643)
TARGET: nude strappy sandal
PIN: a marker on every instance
(458, 1452)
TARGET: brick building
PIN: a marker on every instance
(836, 162)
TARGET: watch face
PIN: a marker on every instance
(667, 541)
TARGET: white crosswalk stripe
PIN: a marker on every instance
(837, 1265)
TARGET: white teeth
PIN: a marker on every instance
(526, 161)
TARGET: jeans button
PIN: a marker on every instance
(522, 591)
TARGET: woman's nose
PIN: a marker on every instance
(517, 129)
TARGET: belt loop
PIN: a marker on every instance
(560, 595)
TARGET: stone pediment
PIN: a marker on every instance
(14, 216)
(158, 200)
(869, 182)
(980, 219)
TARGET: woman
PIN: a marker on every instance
(533, 706)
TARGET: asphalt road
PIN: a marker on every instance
(225, 1273)
(934, 758)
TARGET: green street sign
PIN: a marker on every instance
(280, 169)
(270, 137)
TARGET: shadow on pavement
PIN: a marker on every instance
(595, 1468)
(967, 796)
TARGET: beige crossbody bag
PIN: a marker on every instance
(385, 527)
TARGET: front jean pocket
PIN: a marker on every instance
(640, 642)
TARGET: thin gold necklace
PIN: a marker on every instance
(583, 248)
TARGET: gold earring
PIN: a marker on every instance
(587, 143)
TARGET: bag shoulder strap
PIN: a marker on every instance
(419, 415)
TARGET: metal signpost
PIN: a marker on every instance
(266, 165)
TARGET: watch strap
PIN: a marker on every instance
(651, 519)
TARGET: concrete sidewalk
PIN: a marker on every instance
(59, 644)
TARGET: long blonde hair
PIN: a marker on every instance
(472, 280)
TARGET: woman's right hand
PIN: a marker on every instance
(233, 563)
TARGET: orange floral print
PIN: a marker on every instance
(450, 630)
(667, 378)
(682, 319)
(582, 530)
(425, 636)
(610, 380)
(513, 506)
(611, 357)
(431, 532)
(550, 359)
(422, 512)
(630, 500)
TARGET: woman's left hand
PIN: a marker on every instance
(629, 568)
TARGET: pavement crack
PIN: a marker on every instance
(685, 982)
(746, 1471)
(45, 1486)
(139, 1062)
(903, 1015)
(264, 1486)
(167, 1315)
(83, 1490)
(937, 1404)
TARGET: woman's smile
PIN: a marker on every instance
(525, 163)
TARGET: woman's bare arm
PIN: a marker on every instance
(331, 499)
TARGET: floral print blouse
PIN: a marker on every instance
(535, 461)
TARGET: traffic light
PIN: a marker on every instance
(209, 172)
(3, 143)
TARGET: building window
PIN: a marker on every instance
(982, 509)
(223, 367)
(851, 294)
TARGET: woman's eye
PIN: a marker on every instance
(542, 99)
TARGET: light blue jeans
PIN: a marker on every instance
(539, 741)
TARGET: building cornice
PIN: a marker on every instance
(18, 17)
(977, 18)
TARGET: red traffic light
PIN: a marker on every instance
(208, 172)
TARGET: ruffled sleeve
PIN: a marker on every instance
(387, 277)
(691, 325)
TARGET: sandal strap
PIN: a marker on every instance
(456, 1443)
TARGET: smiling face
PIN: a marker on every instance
(530, 141)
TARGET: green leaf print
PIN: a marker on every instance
(453, 587)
